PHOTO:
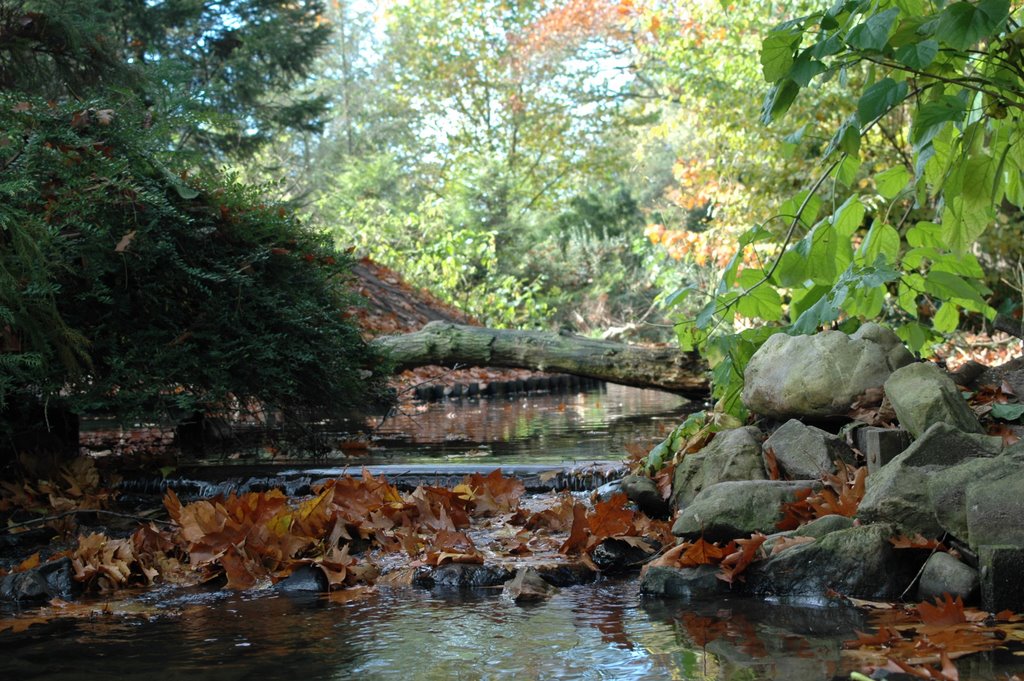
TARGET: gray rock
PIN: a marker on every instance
(858, 562)
(732, 455)
(736, 509)
(699, 583)
(805, 452)
(948, 489)
(1001, 585)
(944, 445)
(644, 492)
(922, 394)
(943, 573)
(306, 578)
(995, 511)
(614, 556)
(822, 374)
(901, 491)
(55, 579)
(819, 527)
(898, 494)
(881, 445)
(462, 575)
(527, 587)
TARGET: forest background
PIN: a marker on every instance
(711, 171)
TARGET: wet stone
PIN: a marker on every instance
(697, 583)
(462, 575)
(305, 579)
(614, 556)
(943, 573)
(50, 580)
(1001, 586)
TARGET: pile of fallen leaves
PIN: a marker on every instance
(356, 529)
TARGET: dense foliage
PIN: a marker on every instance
(942, 84)
(128, 284)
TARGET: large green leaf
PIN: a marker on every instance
(963, 24)
(882, 240)
(880, 98)
(918, 56)
(892, 181)
(777, 53)
(931, 116)
(873, 34)
(762, 302)
(778, 100)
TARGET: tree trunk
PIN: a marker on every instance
(446, 344)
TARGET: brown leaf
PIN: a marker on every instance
(125, 242)
(771, 464)
(749, 550)
(918, 541)
(783, 543)
(946, 611)
(578, 535)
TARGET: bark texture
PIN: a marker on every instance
(445, 343)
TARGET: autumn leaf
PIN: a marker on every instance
(783, 543)
(946, 611)
(494, 493)
(771, 464)
(918, 541)
(578, 534)
(748, 550)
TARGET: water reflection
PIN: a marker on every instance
(598, 631)
(535, 429)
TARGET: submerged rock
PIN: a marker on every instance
(462, 575)
(822, 374)
(697, 583)
(55, 579)
(527, 587)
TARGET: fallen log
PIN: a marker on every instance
(446, 344)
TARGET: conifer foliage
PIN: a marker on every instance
(129, 284)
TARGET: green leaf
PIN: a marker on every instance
(931, 116)
(848, 217)
(918, 56)
(778, 100)
(880, 98)
(806, 68)
(882, 240)
(810, 320)
(762, 302)
(926, 234)
(947, 318)
(846, 171)
(915, 335)
(1007, 412)
(809, 213)
(963, 223)
(804, 298)
(963, 24)
(873, 34)
(777, 53)
(892, 181)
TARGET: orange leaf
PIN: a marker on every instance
(946, 611)
(736, 562)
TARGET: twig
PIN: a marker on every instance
(63, 514)
(921, 571)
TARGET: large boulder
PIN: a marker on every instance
(858, 562)
(922, 395)
(951, 490)
(737, 509)
(822, 374)
(899, 492)
(805, 452)
(732, 455)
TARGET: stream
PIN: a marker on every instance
(602, 630)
